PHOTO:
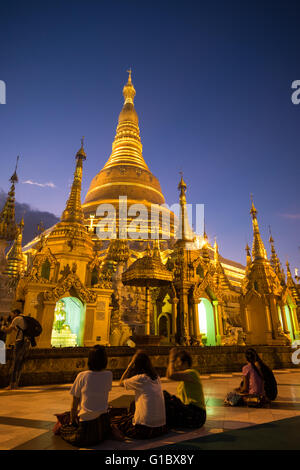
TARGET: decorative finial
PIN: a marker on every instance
(81, 153)
(271, 238)
(128, 90)
(14, 177)
(182, 185)
(253, 210)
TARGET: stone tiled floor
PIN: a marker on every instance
(27, 414)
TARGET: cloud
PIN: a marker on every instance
(41, 185)
(291, 216)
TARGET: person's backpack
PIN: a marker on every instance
(270, 383)
(32, 329)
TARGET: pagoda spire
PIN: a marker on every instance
(216, 251)
(7, 215)
(274, 260)
(127, 147)
(291, 283)
(258, 248)
(248, 256)
(185, 231)
(73, 211)
(15, 261)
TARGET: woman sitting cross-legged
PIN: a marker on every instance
(149, 419)
(90, 424)
(252, 390)
(189, 409)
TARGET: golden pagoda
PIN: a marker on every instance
(267, 304)
(176, 287)
(127, 175)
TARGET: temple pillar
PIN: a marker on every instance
(174, 318)
(294, 318)
(247, 320)
(191, 320)
(184, 310)
(147, 319)
(269, 331)
(197, 333)
(217, 319)
(44, 341)
(273, 316)
(283, 316)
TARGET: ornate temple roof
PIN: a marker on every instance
(147, 271)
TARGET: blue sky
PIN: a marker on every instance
(213, 82)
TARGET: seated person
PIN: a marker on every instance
(149, 418)
(189, 410)
(90, 424)
(252, 385)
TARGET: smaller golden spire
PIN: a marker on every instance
(248, 255)
(15, 260)
(216, 251)
(291, 283)
(73, 211)
(8, 226)
(258, 248)
(156, 249)
(148, 250)
(274, 260)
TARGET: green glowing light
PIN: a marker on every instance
(68, 325)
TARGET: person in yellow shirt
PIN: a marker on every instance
(189, 409)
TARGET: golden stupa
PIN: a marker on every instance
(126, 173)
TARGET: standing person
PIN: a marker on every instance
(189, 409)
(21, 347)
(89, 418)
(149, 419)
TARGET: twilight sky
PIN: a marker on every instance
(213, 82)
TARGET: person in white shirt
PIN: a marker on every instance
(90, 423)
(149, 418)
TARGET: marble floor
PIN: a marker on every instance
(27, 414)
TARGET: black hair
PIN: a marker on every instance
(184, 356)
(97, 359)
(143, 365)
(17, 310)
(253, 357)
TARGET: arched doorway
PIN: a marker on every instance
(164, 328)
(68, 325)
(207, 322)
